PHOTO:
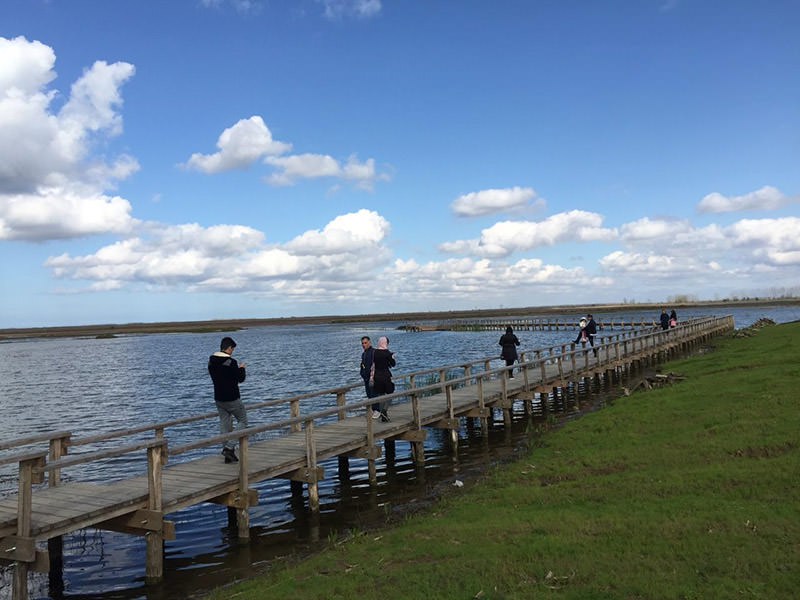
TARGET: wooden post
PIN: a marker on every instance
(154, 540)
(341, 401)
(294, 412)
(417, 448)
(55, 545)
(482, 406)
(504, 391)
(58, 448)
(448, 392)
(24, 509)
(311, 463)
(243, 508)
(373, 475)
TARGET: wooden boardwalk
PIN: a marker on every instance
(517, 324)
(43, 511)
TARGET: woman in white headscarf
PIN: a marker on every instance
(382, 384)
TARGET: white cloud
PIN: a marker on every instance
(491, 201)
(363, 9)
(653, 229)
(775, 240)
(313, 166)
(58, 214)
(50, 184)
(239, 146)
(349, 233)
(505, 237)
(235, 257)
(765, 198)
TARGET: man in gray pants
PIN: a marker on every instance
(227, 375)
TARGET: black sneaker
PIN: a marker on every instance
(384, 416)
(230, 455)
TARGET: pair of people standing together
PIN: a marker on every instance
(588, 329)
(375, 364)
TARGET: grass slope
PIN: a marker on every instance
(682, 492)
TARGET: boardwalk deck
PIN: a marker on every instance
(138, 504)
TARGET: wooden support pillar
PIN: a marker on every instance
(311, 457)
(505, 403)
(55, 575)
(243, 509)
(344, 468)
(390, 449)
(154, 540)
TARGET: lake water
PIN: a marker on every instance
(91, 385)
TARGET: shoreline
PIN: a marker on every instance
(223, 325)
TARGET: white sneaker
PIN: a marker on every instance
(376, 414)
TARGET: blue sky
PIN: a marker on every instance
(206, 159)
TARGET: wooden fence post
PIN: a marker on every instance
(154, 540)
(311, 464)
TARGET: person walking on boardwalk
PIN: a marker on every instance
(381, 377)
(366, 364)
(591, 331)
(509, 342)
(673, 318)
(664, 319)
(582, 333)
(226, 375)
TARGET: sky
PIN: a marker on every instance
(217, 159)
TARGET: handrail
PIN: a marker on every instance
(160, 426)
(410, 392)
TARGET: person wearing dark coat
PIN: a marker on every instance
(226, 375)
(591, 331)
(381, 377)
(366, 364)
(509, 342)
(664, 319)
(673, 318)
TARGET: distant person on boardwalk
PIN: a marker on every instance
(366, 363)
(673, 318)
(509, 342)
(664, 319)
(227, 375)
(582, 333)
(381, 377)
(591, 331)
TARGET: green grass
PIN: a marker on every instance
(684, 492)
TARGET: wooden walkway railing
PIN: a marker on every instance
(175, 478)
(527, 324)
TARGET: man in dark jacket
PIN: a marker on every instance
(591, 330)
(227, 375)
(664, 319)
(366, 364)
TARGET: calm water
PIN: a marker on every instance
(91, 385)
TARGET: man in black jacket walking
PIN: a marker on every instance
(591, 331)
(226, 375)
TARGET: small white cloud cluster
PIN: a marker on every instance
(235, 257)
(50, 186)
(506, 237)
(250, 140)
(765, 198)
(485, 202)
(362, 9)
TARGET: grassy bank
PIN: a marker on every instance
(688, 491)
